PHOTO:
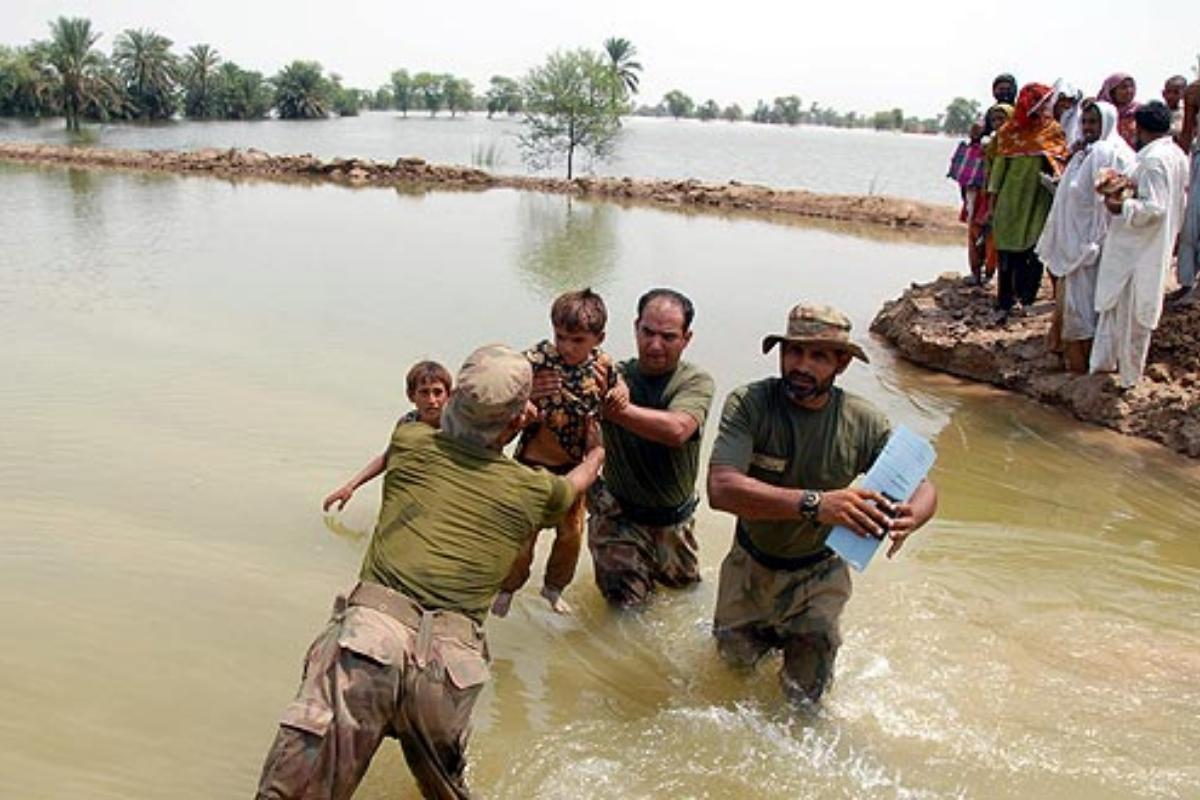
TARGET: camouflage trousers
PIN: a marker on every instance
(760, 609)
(630, 558)
(382, 667)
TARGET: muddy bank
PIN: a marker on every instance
(949, 326)
(890, 212)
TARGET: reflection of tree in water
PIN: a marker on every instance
(85, 195)
(565, 243)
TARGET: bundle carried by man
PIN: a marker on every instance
(1114, 184)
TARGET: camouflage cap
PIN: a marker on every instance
(808, 323)
(492, 386)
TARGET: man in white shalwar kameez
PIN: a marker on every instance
(1071, 241)
(1137, 251)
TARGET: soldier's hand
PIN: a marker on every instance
(903, 524)
(341, 497)
(601, 371)
(545, 383)
(617, 399)
(529, 415)
(860, 510)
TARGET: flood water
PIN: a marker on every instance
(190, 365)
(806, 157)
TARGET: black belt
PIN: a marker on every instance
(657, 517)
(779, 562)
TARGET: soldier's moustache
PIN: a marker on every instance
(801, 385)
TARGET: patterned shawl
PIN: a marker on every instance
(1032, 130)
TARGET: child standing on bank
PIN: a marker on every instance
(967, 169)
(558, 440)
(428, 385)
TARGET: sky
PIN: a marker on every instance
(862, 56)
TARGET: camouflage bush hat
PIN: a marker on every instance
(808, 323)
(492, 387)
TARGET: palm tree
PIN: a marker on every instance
(26, 81)
(75, 65)
(302, 92)
(241, 94)
(623, 69)
(199, 73)
(150, 71)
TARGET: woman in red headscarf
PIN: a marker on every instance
(1120, 89)
(1031, 144)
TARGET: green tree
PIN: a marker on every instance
(26, 82)
(431, 91)
(503, 94)
(569, 107)
(888, 120)
(302, 91)
(402, 90)
(199, 82)
(732, 112)
(678, 104)
(761, 113)
(708, 111)
(786, 110)
(242, 94)
(961, 114)
(458, 94)
(150, 71)
(346, 102)
(78, 71)
(624, 71)
(383, 98)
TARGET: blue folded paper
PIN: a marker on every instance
(900, 468)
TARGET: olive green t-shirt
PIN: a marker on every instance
(647, 474)
(453, 518)
(764, 435)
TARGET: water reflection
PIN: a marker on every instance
(85, 200)
(565, 243)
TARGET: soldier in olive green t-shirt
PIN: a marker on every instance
(787, 451)
(405, 654)
(640, 529)
(453, 517)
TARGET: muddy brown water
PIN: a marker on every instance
(190, 364)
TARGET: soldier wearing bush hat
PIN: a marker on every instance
(788, 449)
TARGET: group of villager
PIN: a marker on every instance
(1094, 190)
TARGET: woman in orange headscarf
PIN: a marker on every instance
(1030, 144)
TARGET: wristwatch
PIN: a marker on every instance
(810, 503)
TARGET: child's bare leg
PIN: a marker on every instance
(517, 576)
(564, 556)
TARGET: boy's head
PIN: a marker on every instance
(429, 384)
(578, 319)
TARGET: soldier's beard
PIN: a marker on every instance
(802, 387)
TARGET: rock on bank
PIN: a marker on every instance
(891, 212)
(949, 326)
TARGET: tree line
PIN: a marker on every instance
(571, 103)
(790, 110)
(143, 78)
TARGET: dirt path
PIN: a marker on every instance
(887, 212)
